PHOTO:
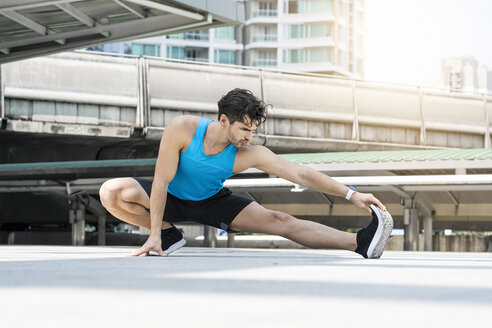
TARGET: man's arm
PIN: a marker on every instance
(165, 169)
(266, 160)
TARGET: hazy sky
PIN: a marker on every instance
(406, 40)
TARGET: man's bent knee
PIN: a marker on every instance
(122, 189)
(108, 192)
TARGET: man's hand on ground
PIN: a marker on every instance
(153, 244)
(362, 200)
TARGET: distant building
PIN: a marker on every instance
(218, 45)
(318, 36)
(465, 74)
(322, 36)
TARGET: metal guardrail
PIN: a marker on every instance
(146, 84)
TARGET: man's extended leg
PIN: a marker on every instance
(368, 242)
(255, 218)
(126, 199)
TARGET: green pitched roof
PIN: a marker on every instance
(390, 156)
(310, 158)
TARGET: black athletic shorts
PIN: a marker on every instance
(216, 211)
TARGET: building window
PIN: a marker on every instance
(176, 52)
(265, 34)
(319, 55)
(225, 56)
(197, 35)
(294, 6)
(320, 30)
(320, 6)
(294, 31)
(316, 30)
(293, 56)
(268, 9)
(146, 49)
(178, 36)
(307, 6)
(197, 54)
(225, 33)
(193, 35)
(310, 55)
(266, 58)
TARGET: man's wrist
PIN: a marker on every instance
(350, 192)
(155, 231)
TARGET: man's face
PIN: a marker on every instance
(239, 134)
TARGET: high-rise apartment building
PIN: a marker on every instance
(465, 74)
(318, 36)
(322, 36)
(217, 45)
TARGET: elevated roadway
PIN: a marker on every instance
(83, 106)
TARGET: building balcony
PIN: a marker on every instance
(307, 43)
(273, 19)
(265, 13)
(265, 38)
(306, 18)
(197, 59)
(265, 63)
(190, 36)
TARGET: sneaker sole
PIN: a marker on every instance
(175, 246)
(385, 226)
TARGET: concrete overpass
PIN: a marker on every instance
(118, 105)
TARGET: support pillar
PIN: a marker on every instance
(101, 230)
(210, 237)
(94, 206)
(411, 229)
(428, 233)
(2, 97)
(230, 240)
(77, 220)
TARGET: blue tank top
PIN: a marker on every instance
(200, 176)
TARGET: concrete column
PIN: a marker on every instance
(77, 219)
(210, 237)
(101, 230)
(2, 97)
(11, 238)
(428, 233)
(230, 240)
(411, 229)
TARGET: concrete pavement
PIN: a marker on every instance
(63, 286)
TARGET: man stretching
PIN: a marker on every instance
(197, 155)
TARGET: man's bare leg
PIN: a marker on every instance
(127, 201)
(255, 218)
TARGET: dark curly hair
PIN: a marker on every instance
(239, 103)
